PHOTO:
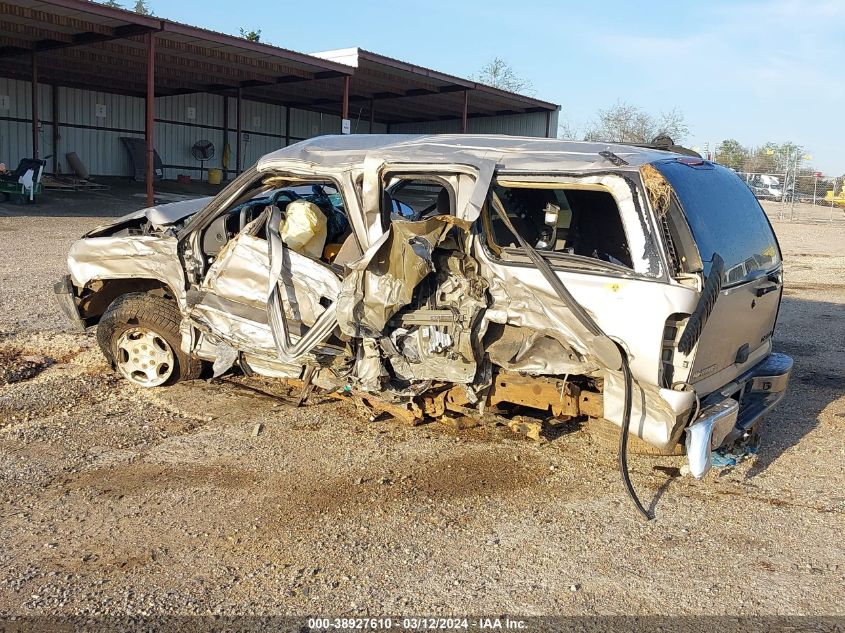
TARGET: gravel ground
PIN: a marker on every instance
(116, 500)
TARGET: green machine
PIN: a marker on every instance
(23, 184)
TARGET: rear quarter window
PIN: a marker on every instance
(724, 217)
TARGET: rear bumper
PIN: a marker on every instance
(759, 390)
(66, 298)
(728, 414)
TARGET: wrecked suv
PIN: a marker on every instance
(462, 275)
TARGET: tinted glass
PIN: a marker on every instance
(724, 217)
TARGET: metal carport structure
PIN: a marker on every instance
(90, 46)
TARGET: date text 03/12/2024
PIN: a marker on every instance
(417, 624)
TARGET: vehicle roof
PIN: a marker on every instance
(519, 153)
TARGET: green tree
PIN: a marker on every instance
(499, 74)
(626, 123)
(251, 35)
(113, 3)
(731, 154)
(142, 7)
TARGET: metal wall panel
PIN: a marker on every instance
(531, 124)
(181, 121)
(91, 124)
(15, 126)
(305, 124)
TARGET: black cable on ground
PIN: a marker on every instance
(623, 438)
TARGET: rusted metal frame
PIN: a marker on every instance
(83, 6)
(77, 39)
(239, 124)
(310, 63)
(345, 108)
(54, 103)
(225, 133)
(104, 11)
(34, 80)
(464, 112)
(381, 60)
(149, 127)
(376, 96)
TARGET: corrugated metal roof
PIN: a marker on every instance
(88, 45)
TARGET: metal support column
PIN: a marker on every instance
(464, 112)
(225, 134)
(54, 96)
(548, 124)
(149, 127)
(35, 121)
(287, 126)
(346, 83)
(372, 114)
(239, 131)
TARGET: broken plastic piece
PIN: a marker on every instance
(708, 432)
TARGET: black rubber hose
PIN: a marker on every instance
(623, 437)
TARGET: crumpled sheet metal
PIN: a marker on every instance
(533, 352)
(536, 308)
(241, 272)
(657, 415)
(133, 257)
(239, 332)
(160, 216)
(509, 152)
(383, 280)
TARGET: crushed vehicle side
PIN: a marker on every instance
(451, 310)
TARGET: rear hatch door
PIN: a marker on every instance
(725, 218)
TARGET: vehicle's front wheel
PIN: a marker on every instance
(139, 335)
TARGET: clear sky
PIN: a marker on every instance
(753, 71)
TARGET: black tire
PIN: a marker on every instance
(607, 434)
(153, 313)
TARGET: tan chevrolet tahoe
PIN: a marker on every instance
(469, 275)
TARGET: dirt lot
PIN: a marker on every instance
(117, 500)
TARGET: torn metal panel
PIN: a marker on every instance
(241, 272)
(531, 351)
(160, 216)
(383, 280)
(658, 415)
(510, 152)
(137, 257)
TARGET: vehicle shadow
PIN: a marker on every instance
(811, 332)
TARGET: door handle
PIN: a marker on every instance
(764, 290)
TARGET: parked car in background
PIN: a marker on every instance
(459, 275)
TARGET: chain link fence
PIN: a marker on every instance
(788, 188)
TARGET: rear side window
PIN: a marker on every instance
(724, 217)
(588, 222)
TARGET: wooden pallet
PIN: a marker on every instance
(67, 183)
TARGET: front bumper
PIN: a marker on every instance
(730, 413)
(66, 298)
